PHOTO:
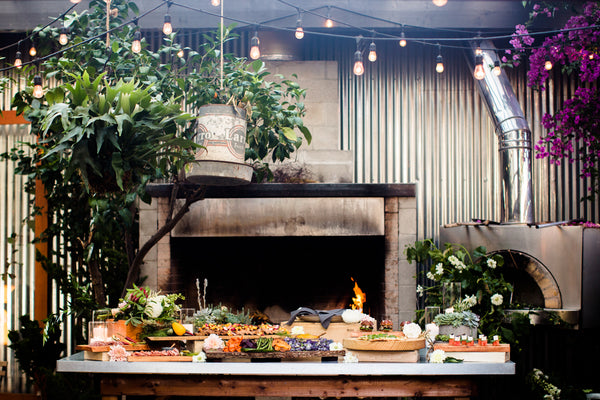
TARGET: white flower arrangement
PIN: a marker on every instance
(497, 299)
(336, 346)
(412, 330)
(200, 357)
(437, 356)
(154, 307)
(350, 358)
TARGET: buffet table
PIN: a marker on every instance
(285, 379)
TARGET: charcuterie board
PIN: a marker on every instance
(159, 358)
(217, 355)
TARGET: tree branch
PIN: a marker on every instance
(134, 267)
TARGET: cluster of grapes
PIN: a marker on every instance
(320, 344)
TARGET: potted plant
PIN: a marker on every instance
(238, 92)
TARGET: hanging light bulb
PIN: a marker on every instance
(75, 1)
(359, 68)
(479, 72)
(254, 49)
(548, 63)
(63, 38)
(402, 40)
(299, 31)
(440, 3)
(32, 50)
(497, 70)
(136, 45)
(215, 3)
(167, 27)
(439, 61)
(372, 52)
(180, 53)
(18, 60)
(328, 21)
(38, 91)
(478, 51)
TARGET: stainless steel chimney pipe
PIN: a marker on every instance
(514, 139)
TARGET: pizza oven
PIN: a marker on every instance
(553, 267)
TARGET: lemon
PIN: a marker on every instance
(178, 328)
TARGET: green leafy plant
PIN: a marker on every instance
(143, 305)
(482, 282)
(116, 136)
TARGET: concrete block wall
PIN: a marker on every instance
(324, 157)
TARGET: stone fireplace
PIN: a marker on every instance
(276, 247)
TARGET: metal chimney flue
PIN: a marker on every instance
(514, 138)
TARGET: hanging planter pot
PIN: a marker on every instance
(221, 130)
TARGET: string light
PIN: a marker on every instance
(215, 3)
(439, 61)
(497, 70)
(254, 47)
(358, 68)
(75, 1)
(299, 31)
(63, 38)
(372, 52)
(328, 21)
(440, 3)
(180, 53)
(18, 60)
(479, 72)
(32, 50)
(136, 45)
(167, 27)
(38, 91)
(402, 42)
(547, 63)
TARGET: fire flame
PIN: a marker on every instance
(359, 297)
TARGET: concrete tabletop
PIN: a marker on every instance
(76, 363)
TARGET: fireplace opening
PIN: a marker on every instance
(276, 275)
(533, 284)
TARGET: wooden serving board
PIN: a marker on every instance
(159, 358)
(202, 337)
(384, 345)
(100, 349)
(501, 348)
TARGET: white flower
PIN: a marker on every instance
(439, 269)
(297, 330)
(457, 263)
(118, 353)
(431, 331)
(449, 310)
(352, 316)
(491, 263)
(497, 299)
(411, 330)
(336, 346)
(198, 358)
(470, 300)
(438, 356)
(430, 275)
(153, 307)
(350, 358)
(420, 290)
(213, 342)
